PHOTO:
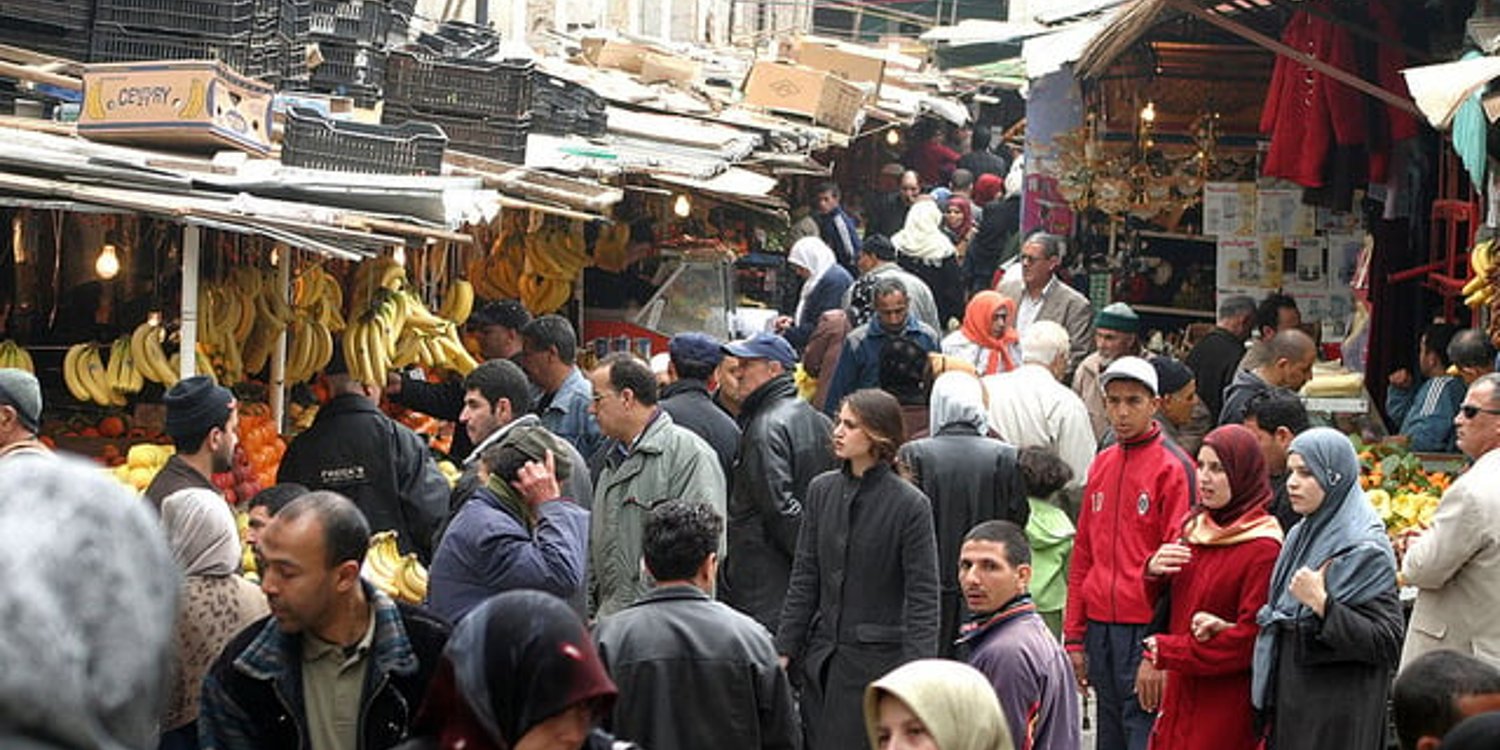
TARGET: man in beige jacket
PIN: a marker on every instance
(1455, 564)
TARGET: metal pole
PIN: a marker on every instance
(278, 357)
(188, 367)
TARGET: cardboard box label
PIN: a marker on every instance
(191, 103)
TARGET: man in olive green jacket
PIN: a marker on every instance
(652, 462)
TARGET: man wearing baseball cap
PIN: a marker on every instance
(202, 420)
(20, 413)
(1138, 492)
(692, 359)
(785, 444)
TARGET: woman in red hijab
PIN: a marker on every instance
(1217, 575)
(958, 223)
(988, 338)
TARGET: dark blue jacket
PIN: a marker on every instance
(845, 244)
(859, 362)
(827, 294)
(487, 551)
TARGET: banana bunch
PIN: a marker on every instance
(272, 314)
(554, 258)
(400, 331)
(370, 277)
(12, 355)
(497, 275)
(458, 302)
(399, 576)
(224, 313)
(320, 296)
(121, 373)
(148, 357)
(309, 348)
(612, 246)
(1480, 290)
(86, 376)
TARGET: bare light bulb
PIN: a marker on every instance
(683, 207)
(399, 255)
(275, 256)
(893, 137)
(108, 264)
(1148, 113)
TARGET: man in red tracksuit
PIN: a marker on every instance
(1138, 492)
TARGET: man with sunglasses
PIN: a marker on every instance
(1040, 295)
(1455, 563)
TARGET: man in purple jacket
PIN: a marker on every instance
(1006, 639)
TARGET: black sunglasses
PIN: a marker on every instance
(1471, 411)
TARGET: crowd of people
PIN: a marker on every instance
(892, 520)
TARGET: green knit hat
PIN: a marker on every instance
(1117, 316)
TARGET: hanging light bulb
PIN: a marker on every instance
(893, 137)
(399, 255)
(683, 206)
(275, 255)
(1148, 113)
(108, 264)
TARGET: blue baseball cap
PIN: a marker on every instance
(764, 346)
(695, 348)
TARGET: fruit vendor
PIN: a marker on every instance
(203, 422)
(20, 414)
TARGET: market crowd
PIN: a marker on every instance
(935, 506)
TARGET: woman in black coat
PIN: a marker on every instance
(969, 476)
(1331, 629)
(863, 597)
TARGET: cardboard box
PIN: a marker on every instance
(658, 67)
(199, 105)
(623, 56)
(848, 64)
(827, 99)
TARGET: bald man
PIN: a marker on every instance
(1287, 364)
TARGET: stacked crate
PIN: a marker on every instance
(560, 107)
(260, 38)
(350, 36)
(483, 106)
(52, 27)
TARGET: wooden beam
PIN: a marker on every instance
(37, 75)
(1414, 55)
(1338, 74)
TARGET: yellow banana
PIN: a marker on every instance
(70, 373)
(458, 302)
(91, 373)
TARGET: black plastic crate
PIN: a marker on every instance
(459, 39)
(314, 141)
(115, 43)
(62, 15)
(362, 21)
(502, 138)
(217, 18)
(45, 39)
(462, 87)
(348, 64)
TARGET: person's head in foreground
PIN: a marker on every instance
(934, 704)
(519, 673)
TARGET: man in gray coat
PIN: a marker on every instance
(653, 461)
(1040, 295)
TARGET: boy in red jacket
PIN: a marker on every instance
(1138, 492)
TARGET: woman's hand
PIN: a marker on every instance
(1310, 587)
(1206, 625)
(1168, 559)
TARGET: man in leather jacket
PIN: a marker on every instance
(678, 635)
(784, 445)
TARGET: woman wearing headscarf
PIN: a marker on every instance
(863, 596)
(216, 602)
(1217, 574)
(519, 673)
(925, 252)
(968, 476)
(988, 338)
(823, 285)
(958, 223)
(1331, 630)
(934, 704)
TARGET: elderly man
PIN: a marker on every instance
(784, 445)
(877, 260)
(859, 362)
(653, 461)
(1215, 359)
(1455, 563)
(1030, 407)
(1040, 295)
(1286, 363)
(1115, 336)
(20, 414)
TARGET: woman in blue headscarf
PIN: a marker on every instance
(1331, 629)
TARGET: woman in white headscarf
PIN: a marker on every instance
(926, 252)
(934, 704)
(216, 602)
(968, 476)
(823, 285)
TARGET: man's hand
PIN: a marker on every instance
(393, 383)
(1149, 684)
(784, 660)
(537, 482)
(1400, 379)
(1080, 670)
(1207, 625)
(782, 323)
(1309, 587)
(1169, 559)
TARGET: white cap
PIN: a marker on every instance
(1130, 368)
(659, 362)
